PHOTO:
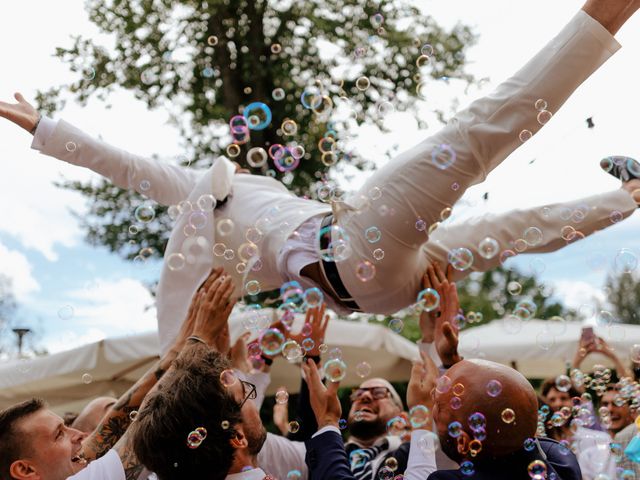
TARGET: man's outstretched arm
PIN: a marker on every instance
(163, 182)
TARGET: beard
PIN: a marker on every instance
(367, 430)
(256, 439)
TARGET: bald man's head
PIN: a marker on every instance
(494, 406)
(90, 416)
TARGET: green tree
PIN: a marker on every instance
(623, 297)
(204, 61)
(497, 293)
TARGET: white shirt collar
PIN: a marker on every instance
(253, 474)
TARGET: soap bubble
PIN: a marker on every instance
(335, 369)
(363, 369)
(429, 299)
(460, 258)
(488, 248)
(145, 213)
(271, 341)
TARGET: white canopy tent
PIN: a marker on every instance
(539, 349)
(114, 364)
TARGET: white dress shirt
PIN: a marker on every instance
(107, 467)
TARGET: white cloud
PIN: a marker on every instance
(16, 266)
(121, 306)
(575, 293)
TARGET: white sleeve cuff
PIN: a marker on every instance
(430, 350)
(328, 428)
(43, 132)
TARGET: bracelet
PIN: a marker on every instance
(35, 127)
(197, 339)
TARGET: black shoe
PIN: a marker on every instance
(623, 168)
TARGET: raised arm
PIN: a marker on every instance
(205, 322)
(165, 183)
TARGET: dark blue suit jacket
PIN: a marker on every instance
(326, 458)
(514, 467)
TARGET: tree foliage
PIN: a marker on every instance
(204, 61)
(624, 297)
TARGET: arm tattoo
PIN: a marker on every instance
(113, 427)
(132, 467)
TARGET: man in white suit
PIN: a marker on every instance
(277, 237)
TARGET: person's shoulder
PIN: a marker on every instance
(108, 466)
(626, 434)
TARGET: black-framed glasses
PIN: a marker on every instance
(378, 393)
(249, 392)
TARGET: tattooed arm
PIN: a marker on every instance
(132, 467)
(119, 417)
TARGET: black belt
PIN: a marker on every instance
(330, 271)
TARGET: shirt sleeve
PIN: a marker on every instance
(422, 457)
(430, 350)
(279, 456)
(45, 129)
(328, 428)
(108, 467)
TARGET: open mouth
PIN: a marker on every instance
(78, 458)
(365, 410)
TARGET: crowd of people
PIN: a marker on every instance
(196, 413)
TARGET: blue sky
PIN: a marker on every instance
(42, 247)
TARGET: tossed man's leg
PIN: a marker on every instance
(415, 190)
(539, 229)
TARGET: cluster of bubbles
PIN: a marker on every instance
(543, 116)
(196, 437)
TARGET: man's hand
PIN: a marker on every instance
(424, 374)
(446, 334)
(188, 325)
(281, 417)
(318, 322)
(239, 354)
(433, 278)
(214, 309)
(22, 113)
(324, 400)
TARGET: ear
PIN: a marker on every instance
(239, 440)
(22, 469)
(463, 443)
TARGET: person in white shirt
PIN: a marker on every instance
(396, 205)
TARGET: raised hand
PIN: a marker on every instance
(22, 113)
(424, 374)
(239, 354)
(433, 278)
(324, 400)
(214, 309)
(318, 322)
(189, 323)
(446, 331)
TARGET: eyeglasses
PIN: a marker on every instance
(378, 393)
(251, 389)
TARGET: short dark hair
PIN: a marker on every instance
(191, 396)
(12, 442)
(550, 383)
